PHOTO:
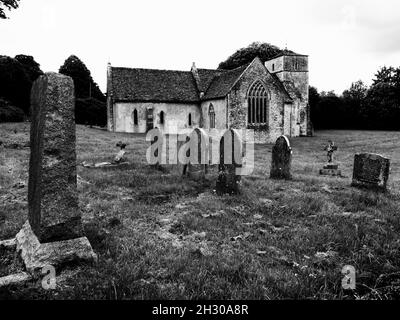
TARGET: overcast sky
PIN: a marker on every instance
(346, 40)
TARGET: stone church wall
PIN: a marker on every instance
(175, 116)
(238, 104)
(220, 113)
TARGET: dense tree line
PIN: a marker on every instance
(16, 78)
(90, 103)
(18, 74)
(360, 107)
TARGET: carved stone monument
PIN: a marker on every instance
(330, 169)
(230, 160)
(281, 159)
(199, 153)
(53, 234)
(371, 171)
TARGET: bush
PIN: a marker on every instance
(9, 113)
(90, 111)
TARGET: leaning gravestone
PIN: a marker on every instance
(371, 171)
(230, 152)
(281, 159)
(53, 234)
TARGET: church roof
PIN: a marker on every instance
(222, 83)
(153, 85)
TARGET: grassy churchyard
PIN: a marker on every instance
(162, 236)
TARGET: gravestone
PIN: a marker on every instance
(230, 153)
(281, 159)
(199, 153)
(53, 233)
(330, 169)
(156, 148)
(52, 190)
(371, 171)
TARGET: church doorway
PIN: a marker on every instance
(149, 120)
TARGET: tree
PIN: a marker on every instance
(7, 4)
(264, 51)
(385, 75)
(32, 68)
(352, 101)
(85, 87)
(90, 106)
(15, 83)
(313, 100)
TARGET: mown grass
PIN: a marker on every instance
(162, 236)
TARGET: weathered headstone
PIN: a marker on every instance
(155, 151)
(199, 153)
(230, 160)
(52, 191)
(53, 234)
(281, 159)
(371, 171)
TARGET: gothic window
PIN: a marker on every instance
(162, 115)
(135, 117)
(257, 104)
(211, 114)
(190, 120)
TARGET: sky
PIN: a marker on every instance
(346, 40)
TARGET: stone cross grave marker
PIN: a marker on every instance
(230, 159)
(281, 159)
(52, 191)
(371, 171)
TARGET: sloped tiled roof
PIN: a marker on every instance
(221, 84)
(153, 85)
(206, 77)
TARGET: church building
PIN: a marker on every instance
(271, 98)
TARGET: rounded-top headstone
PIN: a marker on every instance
(281, 159)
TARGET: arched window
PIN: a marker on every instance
(257, 104)
(162, 117)
(190, 120)
(135, 117)
(211, 114)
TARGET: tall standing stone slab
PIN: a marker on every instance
(231, 152)
(281, 159)
(371, 171)
(52, 192)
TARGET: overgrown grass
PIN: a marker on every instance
(161, 236)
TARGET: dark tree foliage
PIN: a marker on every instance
(90, 101)
(360, 107)
(32, 68)
(85, 87)
(7, 5)
(264, 51)
(15, 83)
(90, 111)
(9, 113)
